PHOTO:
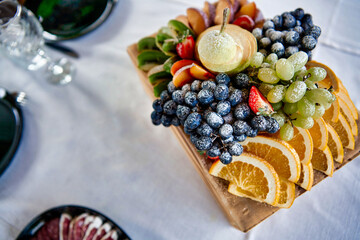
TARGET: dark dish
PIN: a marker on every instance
(63, 19)
(11, 125)
(72, 222)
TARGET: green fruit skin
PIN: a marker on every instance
(306, 107)
(290, 108)
(319, 111)
(295, 92)
(286, 132)
(276, 94)
(268, 75)
(303, 122)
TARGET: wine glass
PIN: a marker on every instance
(21, 40)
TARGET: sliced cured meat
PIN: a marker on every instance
(40, 234)
(52, 228)
(88, 220)
(44, 233)
(93, 228)
(102, 231)
(64, 224)
(110, 236)
(71, 228)
(76, 231)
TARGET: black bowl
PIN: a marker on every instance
(70, 19)
(11, 125)
(73, 210)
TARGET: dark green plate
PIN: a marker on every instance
(11, 124)
(64, 19)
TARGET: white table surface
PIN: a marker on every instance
(92, 142)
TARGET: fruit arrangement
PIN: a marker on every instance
(246, 93)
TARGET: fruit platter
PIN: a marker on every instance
(261, 121)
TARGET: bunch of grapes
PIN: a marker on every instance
(215, 114)
(292, 90)
(287, 34)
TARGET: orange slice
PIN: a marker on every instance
(322, 161)
(330, 80)
(335, 145)
(343, 129)
(333, 112)
(343, 94)
(287, 194)
(306, 179)
(281, 155)
(349, 116)
(251, 177)
(303, 144)
(319, 134)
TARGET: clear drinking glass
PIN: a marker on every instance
(21, 40)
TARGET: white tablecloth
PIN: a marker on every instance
(92, 142)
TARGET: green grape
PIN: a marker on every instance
(286, 132)
(295, 92)
(265, 65)
(273, 66)
(319, 111)
(284, 69)
(268, 75)
(316, 74)
(306, 107)
(303, 122)
(265, 88)
(320, 95)
(277, 106)
(276, 94)
(299, 75)
(257, 60)
(298, 60)
(310, 84)
(327, 105)
(290, 108)
(271, 58)
(280, 117)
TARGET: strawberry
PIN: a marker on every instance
(245, 22)
(258, 103)
(186, 47)
(212, 158)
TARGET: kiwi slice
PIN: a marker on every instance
(180, 29)
(146, 43)
(149, 58)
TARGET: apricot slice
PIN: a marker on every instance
(183, 76)
(183, 19)
(248, 9)
(179, 64)
(209, 9)
(197, 19)
(222, 4)
(200, 73)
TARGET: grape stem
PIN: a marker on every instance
(306, 76)
(226, 15)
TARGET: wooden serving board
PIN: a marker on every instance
(243, 213)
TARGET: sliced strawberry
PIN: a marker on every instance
(258, 103)
(245, 22)
(212, 158)
(186, 48)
